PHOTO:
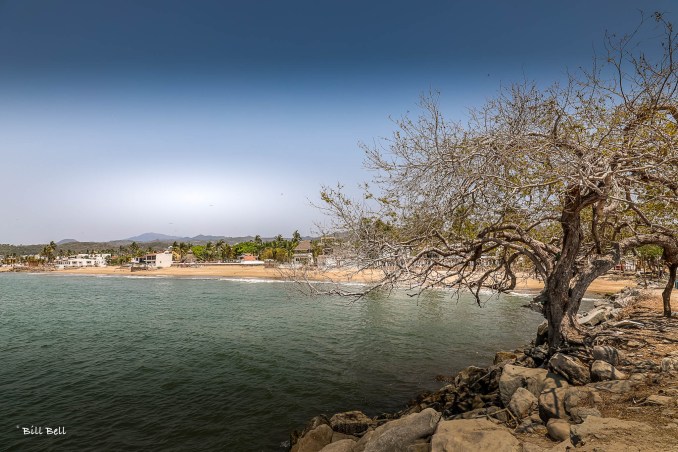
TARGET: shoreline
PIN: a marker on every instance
(606, 285)
(620, 394)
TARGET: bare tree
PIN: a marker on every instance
(560, 181)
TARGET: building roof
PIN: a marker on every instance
(303, 247)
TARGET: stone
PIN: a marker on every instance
(350, 422)
(364, 440)
(571, 368)
(606, 353)
(542, 333)
(669, 364)
(628, 324)
(558, 429)
(603, 371)
(579, 413)
(596, 429)
(336, 436)
(596, 316)
(397, 435)
(500, 357)
(659, 400)
(534, 380)
(613, 386)
(473, 434)
(634, 344)
(559, 402)
(419, 446)
(522, 403)
(344, 445)
(314, 440)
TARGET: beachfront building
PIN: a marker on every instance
(154, 260)
(303, 253)
(82, 260)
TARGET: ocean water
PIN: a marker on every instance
(210, 364)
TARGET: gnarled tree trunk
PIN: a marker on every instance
(666, 294)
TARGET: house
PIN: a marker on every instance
(303, 253)
(154, 260)
(82, 260)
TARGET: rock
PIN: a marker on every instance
(350, 422)
(559, 402)
(314, 440)
(363, 441)
(596, 429)
(627, 324)
(522, 403)
(659, 400)
(603, 371)
(570, 368)
(344, 445)
(579, 413)
(397, 435)
(500, 357)
(542, 333)
(606, 353)
(634, 344)
(534, 380)
(419, 446)
(558, 429)
(596, 316)
(614, 386)
(473, 434)
(669, 364)
(336, 436)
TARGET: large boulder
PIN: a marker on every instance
(559, 403)
(344, 445)
(534, 380)
(598, 431)
(558, 429)
(350, 422)
(603, 371)
(571, 368)
(596, 316)
(314, 440)
(473, 434)
(522, 403)
(613, 386)
(606, 353)
(398, 435)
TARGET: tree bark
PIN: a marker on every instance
(666, 294)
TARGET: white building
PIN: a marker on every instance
(154, 260)
(83, 260)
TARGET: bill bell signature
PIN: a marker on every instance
(42, 430)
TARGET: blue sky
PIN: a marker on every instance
(225, 118)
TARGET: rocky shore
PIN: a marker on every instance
(619, 392)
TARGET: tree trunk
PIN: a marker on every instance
(666, 294)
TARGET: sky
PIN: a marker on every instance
(227, 117)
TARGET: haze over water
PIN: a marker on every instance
(185, 364)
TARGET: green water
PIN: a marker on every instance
(187, 364)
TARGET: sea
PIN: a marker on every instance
(162, 364)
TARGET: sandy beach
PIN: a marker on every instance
(608, 284)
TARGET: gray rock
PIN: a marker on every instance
(534, 380)
(627, 324)
(472, 435)
(603, 371)
(344, 445)
(579, 413)
(596, 316)
(397, 435)
(570, 368)
(314, 440)
(606, 353)
(419, 446)
(500, 357)
(659, 400)
(558, 429)
(350, 422)
(669, 364)
(558, 403)
(522, 403)
(600, 429)
(613, 386)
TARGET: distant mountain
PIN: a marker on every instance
(65, 241)
(155, 237)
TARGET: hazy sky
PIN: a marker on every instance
(225, 117)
